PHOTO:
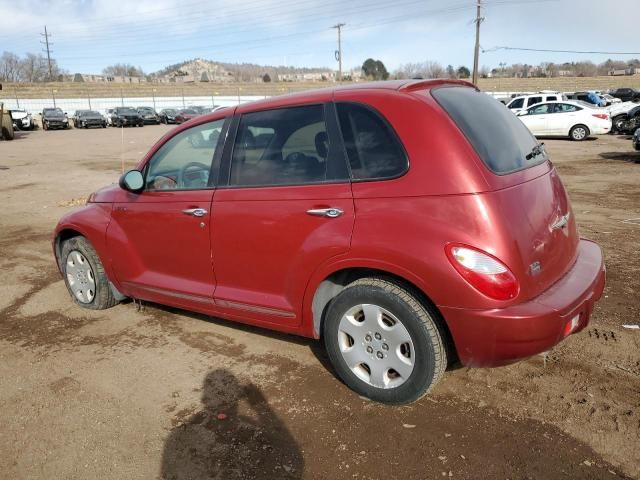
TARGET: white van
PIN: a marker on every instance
(525, 101)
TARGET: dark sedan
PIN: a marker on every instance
(149, 116)
(89, 118)
(126, 117)
(168, 115)
(185, 115)
(54, 118)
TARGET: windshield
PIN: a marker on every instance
(501, 140)
(170, 111)
(146, 109)
(53, 110)
(126, 111)
(189, 112)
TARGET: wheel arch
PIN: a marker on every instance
(333, 283)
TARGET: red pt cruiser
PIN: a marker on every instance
(406, 224)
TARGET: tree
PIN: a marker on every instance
(9, 67)
(204, 77)
(78, 78)
(451, 72)
(463, 72)
(123, 70)
(266, 78)
(374, 69)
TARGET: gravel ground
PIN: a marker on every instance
(160, 393)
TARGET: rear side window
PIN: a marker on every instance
(373, 148)
(287, 146)
(534, 100)
(501, 140)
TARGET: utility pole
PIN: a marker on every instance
(476, 53)
(338, 53)
(46, 36)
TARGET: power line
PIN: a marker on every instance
(587, 52)
(46, 36)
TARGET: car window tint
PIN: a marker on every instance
(501, 140)
(551, 98)
(533, 101)
(184, 162)
(373, 149)
(541, 109)
(517, 103)
(286, 146)
(565, 107)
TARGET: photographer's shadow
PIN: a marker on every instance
(235, 435)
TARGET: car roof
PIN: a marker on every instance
(326, 94)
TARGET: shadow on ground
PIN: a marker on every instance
(234, 435)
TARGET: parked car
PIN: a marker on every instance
(89, 118)
(22, 120)
(627, 123)
(576, 120)
(200, 110)
(609, 99)
(587, 97)
(636, 139)
(149, 116)
(168, 115)
(626, 94)
(108, 114)
(525, 101)
(619, 114)
(185, 115)
(53, 118)
(126, 117)
(407, 224)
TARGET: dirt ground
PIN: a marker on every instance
(123, 394)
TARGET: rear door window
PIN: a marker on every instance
(373, 148)
(533, 101)
(501, 140)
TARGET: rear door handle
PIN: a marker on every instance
(325, 212)
(196, 212)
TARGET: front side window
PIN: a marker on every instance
(517, 103)
(184, 162)
(285, 146)
(373, 148)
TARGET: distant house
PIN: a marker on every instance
(624, 71)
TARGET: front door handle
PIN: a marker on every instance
(325, 212)
(196, 212)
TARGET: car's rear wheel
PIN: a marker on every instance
(383, 342)
(579, 133)
(84, 275)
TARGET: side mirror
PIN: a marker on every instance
(132, 181)
(522, 113)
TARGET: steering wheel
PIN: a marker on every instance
(183, 171)
(295, 158)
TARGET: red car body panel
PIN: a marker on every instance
(258, 258)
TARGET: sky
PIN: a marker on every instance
(88, 35)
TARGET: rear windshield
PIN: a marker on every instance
(501, 140)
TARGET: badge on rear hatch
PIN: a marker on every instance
(534, 268)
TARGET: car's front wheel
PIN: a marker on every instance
(383, 342)
(84, 275)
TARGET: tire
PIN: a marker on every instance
(80, 264)
(45, 126)
(579, 133)
(403, 334)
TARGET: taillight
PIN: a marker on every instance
(484, 272)
(603, 116)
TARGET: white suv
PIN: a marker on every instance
(525, 101)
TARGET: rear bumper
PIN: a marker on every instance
(496, 337)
